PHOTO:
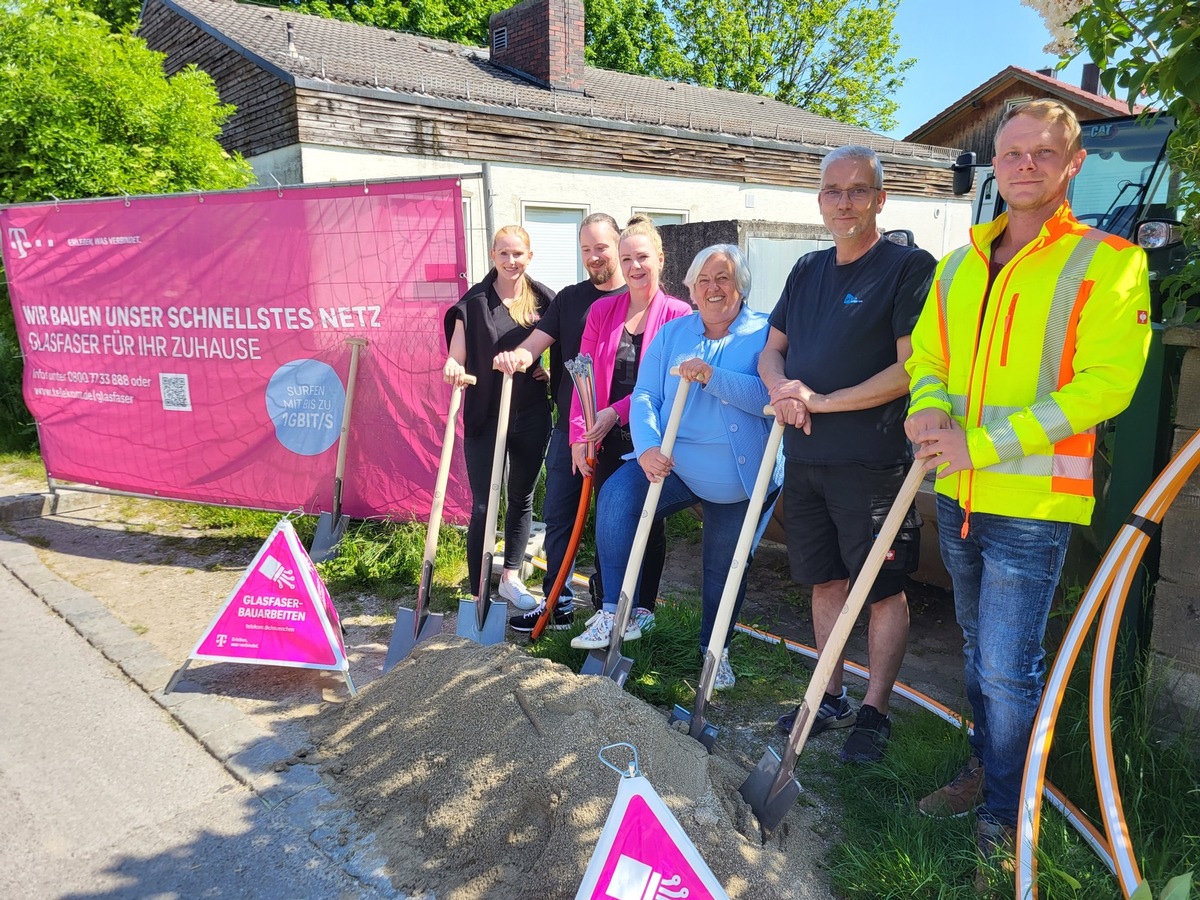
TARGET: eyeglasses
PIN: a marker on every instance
(856, 195)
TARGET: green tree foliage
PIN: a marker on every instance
(632, 36)
(85, 112)
(1148, 52)
(462, 21)
(836, 58)
(121, 15)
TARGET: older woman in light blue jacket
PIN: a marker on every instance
(721, 440)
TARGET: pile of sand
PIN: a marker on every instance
(469, 800)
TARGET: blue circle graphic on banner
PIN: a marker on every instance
(305, 400)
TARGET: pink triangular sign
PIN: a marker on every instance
(280, 612)
(644, 854)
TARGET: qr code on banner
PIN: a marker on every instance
(175, 393)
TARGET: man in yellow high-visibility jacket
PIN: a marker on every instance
(1032, 335)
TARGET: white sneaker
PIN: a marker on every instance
(644, 619)
(596, 635)
(725, 678)
(516, 594)
(599, 629)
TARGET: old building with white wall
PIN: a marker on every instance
(547, 139)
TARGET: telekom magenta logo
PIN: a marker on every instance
(18, 240)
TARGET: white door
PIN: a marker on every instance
(554, 236)
(771, 260)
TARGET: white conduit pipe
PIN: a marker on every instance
(1028, 816)
(1115, 572)
(1100, 726)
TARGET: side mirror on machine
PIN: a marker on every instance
(901, 236)
(964, 173)
(1155, 234)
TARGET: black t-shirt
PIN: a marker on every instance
(842, 324)
(528, 392)
(487, 328)
(564, 321)
(625, 367)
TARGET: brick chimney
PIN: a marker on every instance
(541, 40)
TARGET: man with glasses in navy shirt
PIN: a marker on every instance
(834, 367)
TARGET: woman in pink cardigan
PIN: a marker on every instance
(618, 331)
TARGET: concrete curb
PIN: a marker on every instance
(277, 777)
(34, 506)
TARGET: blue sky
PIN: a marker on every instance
(958, 46)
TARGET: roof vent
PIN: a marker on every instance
(499, 40)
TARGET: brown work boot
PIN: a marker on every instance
(995, 845)
(960, 796)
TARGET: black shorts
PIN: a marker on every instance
(831, 515)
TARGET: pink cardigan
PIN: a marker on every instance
(602, 337)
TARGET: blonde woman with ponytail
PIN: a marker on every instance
(493, 316)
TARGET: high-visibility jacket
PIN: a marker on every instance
(1031, 366)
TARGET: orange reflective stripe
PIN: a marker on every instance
(1083, 444)
(942, 331)
(1066, 367)
(953, 261)
(1081, 487)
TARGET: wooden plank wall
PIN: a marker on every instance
(265, 118)
(379, 125)
(977, 131)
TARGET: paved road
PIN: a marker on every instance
(103, 795)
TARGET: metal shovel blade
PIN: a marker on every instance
(492, 630)
(329, 534)
(405, 636)
(412, 625)
(698, 727)
(770, 799)
(598, 663)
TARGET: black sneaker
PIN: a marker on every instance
(869, 737)
(834, 712)
(563, 618)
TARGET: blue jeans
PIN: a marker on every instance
(1005, 573)
(559, 507)
(620, 507)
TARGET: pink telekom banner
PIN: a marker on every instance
(644, 854)
(194, 346)
(279, 613)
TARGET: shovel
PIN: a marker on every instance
(415, 625)
(581, 372)
(609, 662)
(483, 621)
(698, 726)
(771, 788)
